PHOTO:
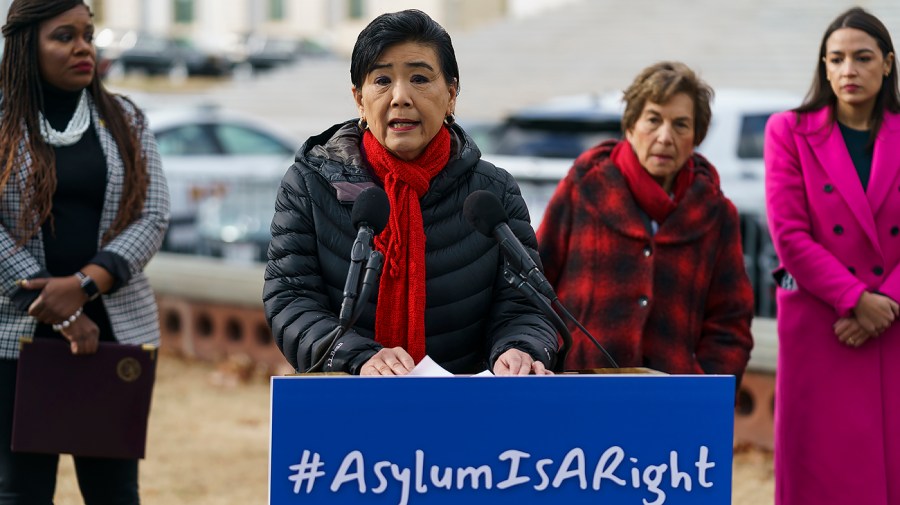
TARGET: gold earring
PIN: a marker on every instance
(363, 124)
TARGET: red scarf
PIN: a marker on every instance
(650, 196)
(400, 315)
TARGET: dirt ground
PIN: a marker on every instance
(208, 443)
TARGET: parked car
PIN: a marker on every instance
(561, 128)
(538, 145)
(212, 56)
(177, 58)
(149, 53)
(264, 53)
(207, 153)
(235, 225)
(108, 43)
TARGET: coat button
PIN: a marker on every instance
(895, 231)
(877, 270)
(838, 229)
(829, 188)
(648, 251)
(643, 301)
(852, 270)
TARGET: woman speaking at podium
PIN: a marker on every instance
(642, 246)
(442, 291)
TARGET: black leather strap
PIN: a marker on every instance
(88, 285)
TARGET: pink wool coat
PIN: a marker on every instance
(837, 408)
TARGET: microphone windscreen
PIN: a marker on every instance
(484, 212)
(372, 208)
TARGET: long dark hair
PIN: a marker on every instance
(21, 86)
(820, 93)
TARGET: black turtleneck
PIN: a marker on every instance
(858, 146)
(71, 241)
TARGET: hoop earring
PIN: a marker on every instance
(449, 120)
(362, 124)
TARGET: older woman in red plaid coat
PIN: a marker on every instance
(642, 246)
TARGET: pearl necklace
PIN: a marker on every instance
(74, 130)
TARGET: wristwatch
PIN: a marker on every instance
(88, 285)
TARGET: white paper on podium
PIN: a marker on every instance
(428, 368)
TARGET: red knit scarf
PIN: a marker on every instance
(648, 193)
(400, 315)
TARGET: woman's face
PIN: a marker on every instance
(855, 67)
(663, 137)
(405, 99)
(66, 51)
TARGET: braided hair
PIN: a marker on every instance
(22, 99)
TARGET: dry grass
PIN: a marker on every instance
(209, 440)
(753, 479)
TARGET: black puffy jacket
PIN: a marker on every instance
(471, 315)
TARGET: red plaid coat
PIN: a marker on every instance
(679, 301)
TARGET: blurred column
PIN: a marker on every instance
(255, 14)
(146, 14)
(336, 13)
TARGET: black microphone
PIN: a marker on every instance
(369, 216)
(486, 214)
(369, 283)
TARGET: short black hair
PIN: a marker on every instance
(386, 30)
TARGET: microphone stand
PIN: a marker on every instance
(584, 330)
(520, 284)
(365, 288)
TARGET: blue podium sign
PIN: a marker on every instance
(572, 439)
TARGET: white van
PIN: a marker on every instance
(209, 152)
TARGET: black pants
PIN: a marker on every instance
(30, 478)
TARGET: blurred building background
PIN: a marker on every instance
(512, 53)
(519, 52)
(334, 23)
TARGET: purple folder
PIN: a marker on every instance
(95, 405)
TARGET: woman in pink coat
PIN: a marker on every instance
(833, 198)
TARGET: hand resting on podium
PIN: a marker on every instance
(396, 361)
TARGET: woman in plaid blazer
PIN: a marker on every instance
(643, 247)
(83, 207)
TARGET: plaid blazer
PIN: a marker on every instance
(132, 308)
